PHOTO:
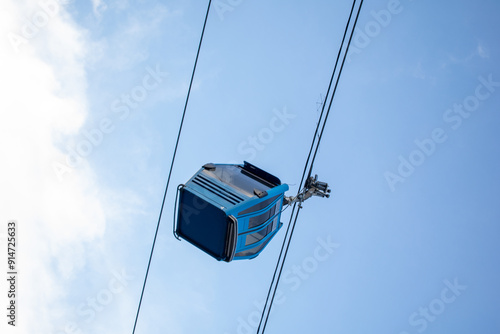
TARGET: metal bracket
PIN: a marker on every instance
(313, 187)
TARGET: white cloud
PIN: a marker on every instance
(128, 44)
(43, 99)
(99, 6)
(482, 51)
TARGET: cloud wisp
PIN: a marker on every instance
(44, 84)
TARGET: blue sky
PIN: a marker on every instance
(407, 243)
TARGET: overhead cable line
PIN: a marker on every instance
(336, 83)
(291, 226)
(171, 165)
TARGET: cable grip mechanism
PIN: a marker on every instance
(313, 187)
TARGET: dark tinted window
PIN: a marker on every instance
(258, 236)
(262, 218)
(202, 224)
(254, 250)
(258, 206)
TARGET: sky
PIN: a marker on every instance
(93, 93)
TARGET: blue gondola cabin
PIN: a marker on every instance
(231, 212)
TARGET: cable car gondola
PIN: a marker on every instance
(231, 212)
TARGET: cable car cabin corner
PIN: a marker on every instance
(230, 212)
